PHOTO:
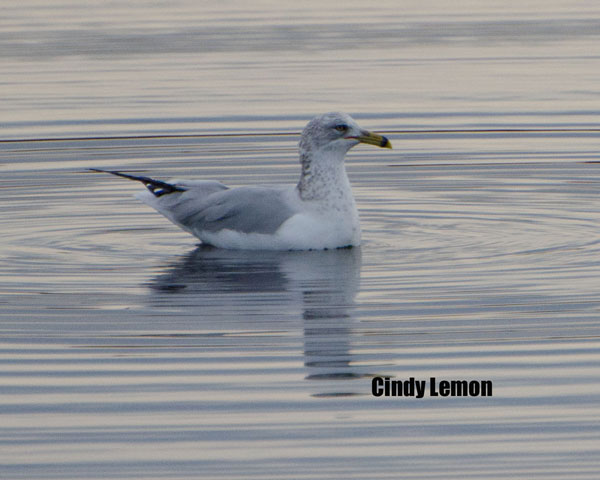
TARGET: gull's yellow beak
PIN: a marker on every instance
(374, 139)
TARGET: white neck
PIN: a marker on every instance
(323, 176)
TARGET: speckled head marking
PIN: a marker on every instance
(323, 146)
(323, 137)
(323, 130)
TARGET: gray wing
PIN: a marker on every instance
(242, 209)
(210, 206)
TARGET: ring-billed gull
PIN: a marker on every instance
(317, 213)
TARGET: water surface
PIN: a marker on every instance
(129, 351)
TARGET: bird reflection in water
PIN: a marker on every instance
(246, 290)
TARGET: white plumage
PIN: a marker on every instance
(317, 213)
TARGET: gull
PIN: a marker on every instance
(317, 213)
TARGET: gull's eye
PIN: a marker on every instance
(341, 128)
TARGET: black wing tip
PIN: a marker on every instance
(158, 188)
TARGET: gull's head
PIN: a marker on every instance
(337, 132)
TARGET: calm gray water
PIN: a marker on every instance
(128, 351)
